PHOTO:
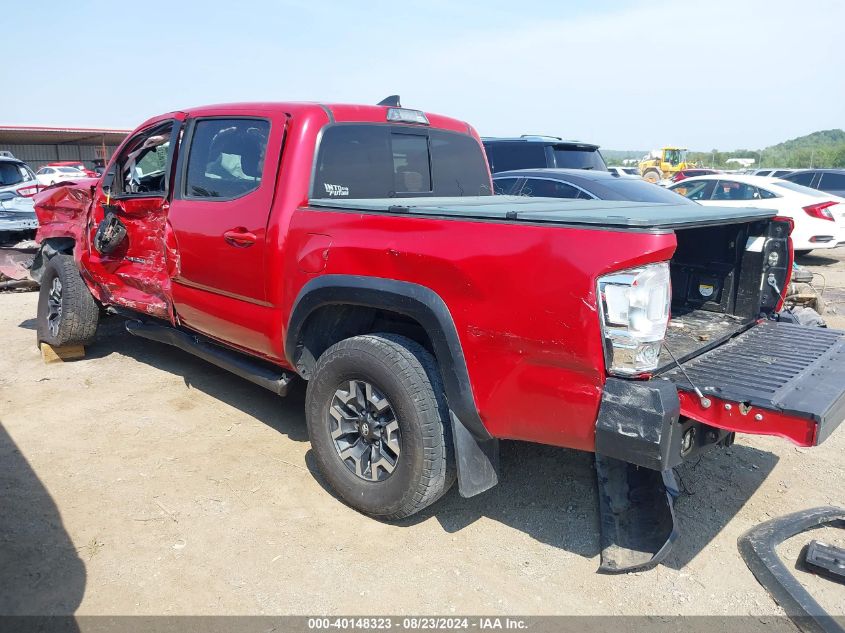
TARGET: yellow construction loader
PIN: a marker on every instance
(664, 163)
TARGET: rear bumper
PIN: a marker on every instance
(641, 422)
(774, 379)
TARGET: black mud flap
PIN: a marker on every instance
(637, 515)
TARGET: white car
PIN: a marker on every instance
(819, 217)
(626, 172)
(52, 175)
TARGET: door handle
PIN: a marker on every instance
(239, 237)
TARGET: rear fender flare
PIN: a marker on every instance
(413, 300)
(476, 450)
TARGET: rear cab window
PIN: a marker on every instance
(362, 160)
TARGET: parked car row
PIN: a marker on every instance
(811, 198)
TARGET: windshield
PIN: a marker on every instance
(13, 173)
(575, 157)
(675, 156)
(638, 191)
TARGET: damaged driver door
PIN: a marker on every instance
(132, 255)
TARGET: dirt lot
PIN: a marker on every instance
(143, 481)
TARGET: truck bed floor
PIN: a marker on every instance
(693, 331)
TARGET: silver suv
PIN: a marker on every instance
(16, 177)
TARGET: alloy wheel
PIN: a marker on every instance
(54, 306)
(364, 430)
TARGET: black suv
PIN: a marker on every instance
(529, 152)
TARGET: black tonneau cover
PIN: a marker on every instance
(600, 213)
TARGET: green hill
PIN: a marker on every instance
(825, 148)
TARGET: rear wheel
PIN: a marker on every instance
(378, 424)
(652, 176)
(67, 313)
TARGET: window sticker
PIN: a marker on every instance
(336, 190)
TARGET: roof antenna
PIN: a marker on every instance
(392, 100)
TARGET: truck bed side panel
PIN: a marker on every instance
(522, 298)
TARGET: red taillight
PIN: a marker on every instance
(27, 192)
(820, 210)
(678, 177)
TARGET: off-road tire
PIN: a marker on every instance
(652, 176)
(408, 376)
(77, 323)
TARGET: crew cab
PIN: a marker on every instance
(360, 248)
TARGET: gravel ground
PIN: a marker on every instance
(143, 481)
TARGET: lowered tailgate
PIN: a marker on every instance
(773, 379)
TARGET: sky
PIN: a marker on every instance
(717, 74)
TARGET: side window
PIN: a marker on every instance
(803, 178)
(538, 188)
(765, 194)
(697, 190)
(729, 190)
(226, 158)
(141, 168)
(508, 155)
(832, 181)
(504, 186)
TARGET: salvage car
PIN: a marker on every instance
(51, 175)
(359, 248)
(17, 178)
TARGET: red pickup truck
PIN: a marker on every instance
(360, 248)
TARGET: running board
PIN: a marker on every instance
(256, 371)
(638, 525)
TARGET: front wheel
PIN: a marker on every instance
(67, 313)
(652, 176)
(378, 423)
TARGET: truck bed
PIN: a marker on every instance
(604, 213)
(692, 332)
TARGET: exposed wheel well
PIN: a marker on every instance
(50, 247)
(331, 324)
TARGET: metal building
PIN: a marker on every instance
(38, 146)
